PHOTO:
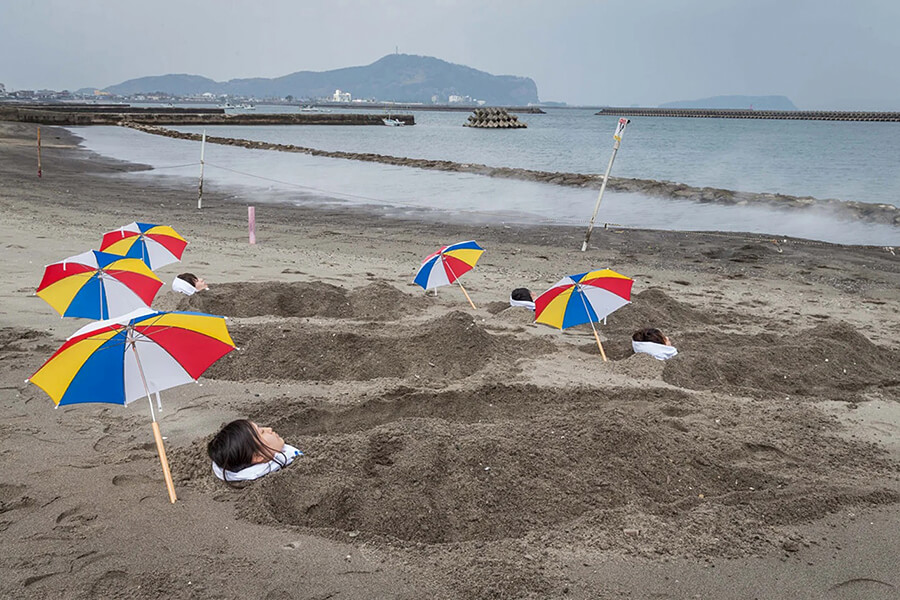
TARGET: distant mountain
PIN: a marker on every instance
(180, 85)
(395, 77)
(745, 102)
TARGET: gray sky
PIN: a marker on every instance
(822, 54)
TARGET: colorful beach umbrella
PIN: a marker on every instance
(156, 245)
(447, 265)
(98, 285)
(135, 356)
(583, 298)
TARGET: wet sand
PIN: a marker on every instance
(453, 453)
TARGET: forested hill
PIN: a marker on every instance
(395, 77)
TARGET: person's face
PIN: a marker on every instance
(668, 341)
(201, 285)
(533, 296)
(270, 440)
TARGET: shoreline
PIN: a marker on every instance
(886, 214)
(748, 466)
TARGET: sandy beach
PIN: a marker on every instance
(451, 452)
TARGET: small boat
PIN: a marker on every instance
(393, 122)
(247, 107)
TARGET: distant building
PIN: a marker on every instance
(340, 96)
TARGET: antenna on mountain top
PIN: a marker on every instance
(396, 49)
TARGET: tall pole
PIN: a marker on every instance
(200, 187)
(620, 130)
(39, 152)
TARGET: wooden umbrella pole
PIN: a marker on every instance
(456, 278)
(160, 449)
(599, 345)
(170, 485)
(594, 329)
(466, 293)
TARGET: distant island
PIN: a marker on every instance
(396, 77)
(736, 102)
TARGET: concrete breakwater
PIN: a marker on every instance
(112, 115)
(873, 213)
(735, 113)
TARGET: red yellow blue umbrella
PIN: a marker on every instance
(137, 355)
(156, 245)
(98, 285)
(447, 265)
(583, 298)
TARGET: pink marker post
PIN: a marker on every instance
(251, 223)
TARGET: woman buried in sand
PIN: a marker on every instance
(244, 451)
(652, 341)
(188, 283)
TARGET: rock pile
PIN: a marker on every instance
(493, 118)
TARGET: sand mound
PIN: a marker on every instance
(449, 347)
(830, 361)
(501, 462)
(515, 315)
(655, 308)
(377, 301)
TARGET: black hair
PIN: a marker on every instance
(650, 334)
(190, 278)
(234, 447)
(521, 294)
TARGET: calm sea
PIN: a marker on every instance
(843, 160)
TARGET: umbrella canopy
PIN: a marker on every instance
(584, 298)
(98, 285)
(448, 264)
(120, 360)
(156, 245)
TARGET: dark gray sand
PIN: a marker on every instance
(453, 453)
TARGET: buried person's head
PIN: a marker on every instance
(188, 283)
(243, 451)
(652, 341)
(522, 297)
(651, 334)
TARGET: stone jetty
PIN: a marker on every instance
(115, 114)
(493, 118)
(728, 113)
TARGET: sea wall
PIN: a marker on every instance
(874, 213)
(111, 116)
(738, 113)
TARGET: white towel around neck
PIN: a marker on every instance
(180, 285)
(658, 351)
(285, 457)
(522, 303)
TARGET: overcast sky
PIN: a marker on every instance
(822, 54)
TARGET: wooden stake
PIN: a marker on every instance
(200, 186)
(620, 130)
(251, 223)
(467, 294)
(39, 152)
(170, 485)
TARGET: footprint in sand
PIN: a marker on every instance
(861, 587)
(130, 480)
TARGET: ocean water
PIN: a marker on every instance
(793, 157)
